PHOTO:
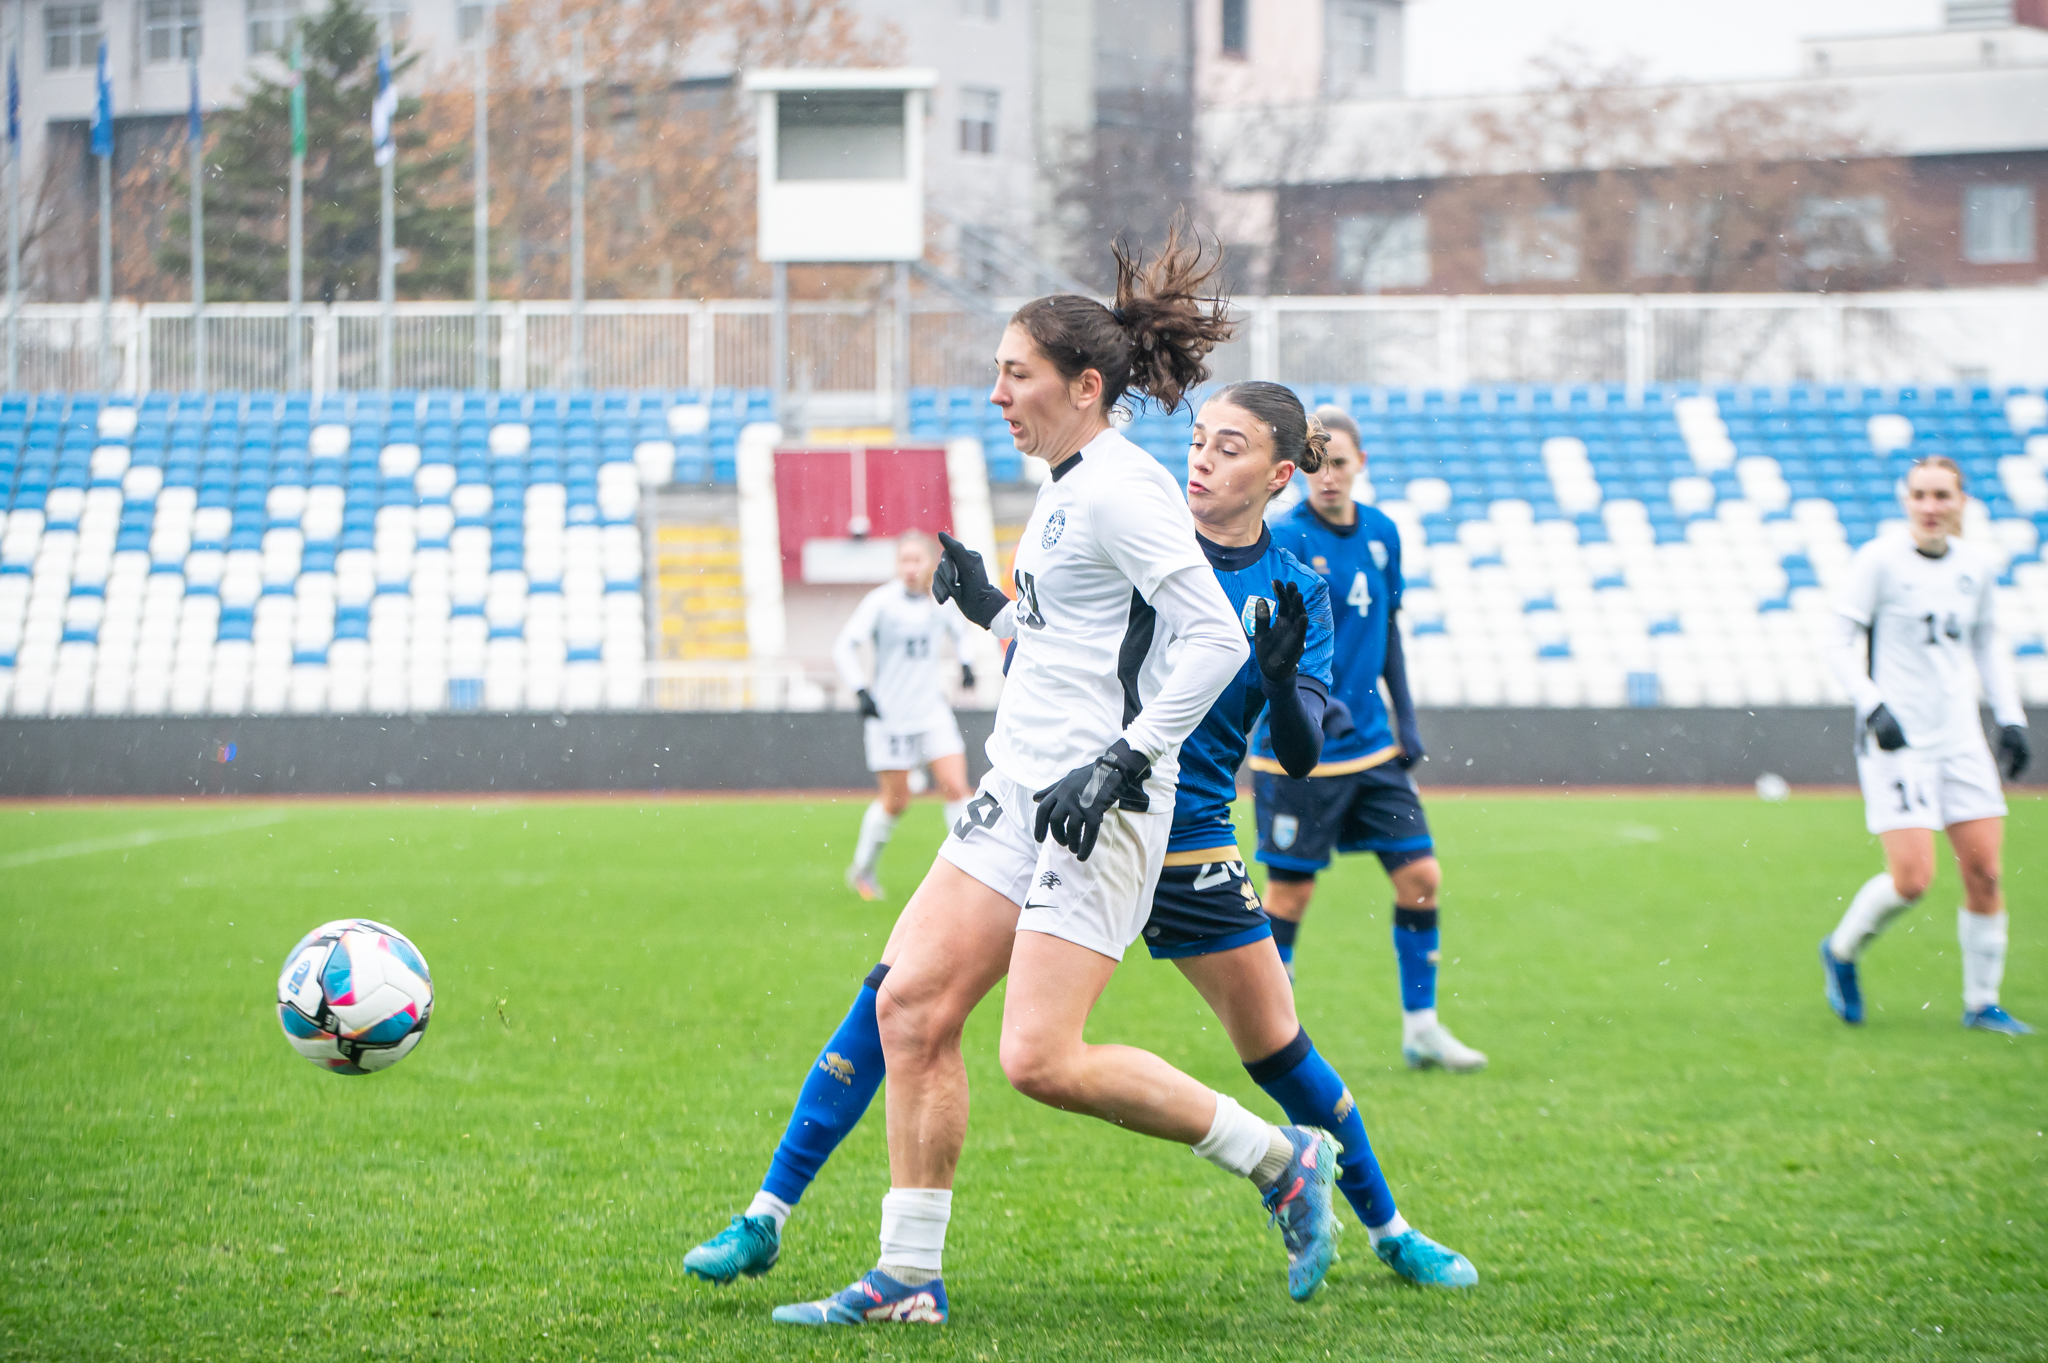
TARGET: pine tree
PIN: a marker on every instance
(247, 164)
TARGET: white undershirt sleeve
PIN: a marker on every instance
(1004, 626)
(1191, 604)
(1846, 649)
(846, 647)
(1994, 665)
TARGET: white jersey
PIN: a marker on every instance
(1119, 623)
(1932, 640)
(903, 629)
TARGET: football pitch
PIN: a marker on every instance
(1677, 1152)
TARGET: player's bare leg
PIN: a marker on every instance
(950, 774)
(1981, 924)
(1908, 872)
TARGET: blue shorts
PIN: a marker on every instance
(1376, 810)
(1204, 907)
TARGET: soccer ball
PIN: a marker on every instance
(355, 996)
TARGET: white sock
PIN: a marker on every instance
(875, 827)
(1983, 941)
(914, 1233)
(766, 1203)
(1393, 1227)
(1868, 914)
(1237, 1141)
(955, 809)
(1417, 1022)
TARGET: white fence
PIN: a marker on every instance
(846, 346)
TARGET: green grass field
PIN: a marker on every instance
(1677, 1152)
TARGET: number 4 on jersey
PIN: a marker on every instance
(1360, 594)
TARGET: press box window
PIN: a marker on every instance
(72, 34)
(839, 135)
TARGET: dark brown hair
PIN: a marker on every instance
(1297, 436)
(1165, 322)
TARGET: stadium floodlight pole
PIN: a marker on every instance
(103, 149)
(381, 134)
(576, 373)
(14, 200)
(295, 271)
(482, 248)
(901, 350)
(195, 166)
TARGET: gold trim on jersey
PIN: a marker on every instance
(1206, 856)
(1346, 768)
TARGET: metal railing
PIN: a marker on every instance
(1994, 336)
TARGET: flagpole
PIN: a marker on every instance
(103, 148)
(576, 214)
(295, 283)
(482, 247)
(195, 161)
(387, 262)
(14, 201)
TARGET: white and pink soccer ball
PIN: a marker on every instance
(355, 996)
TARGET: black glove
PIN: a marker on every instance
(1081, 797)
(961, 578)
(1886, 729)
(2013, 752)
(1278, 638)
(868, 708)
(967, 676)
(1411, 747)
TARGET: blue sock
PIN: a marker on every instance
(835, 1094)
(1283, 938)
(1311, 1093)
(1415, 947)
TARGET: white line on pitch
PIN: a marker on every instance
(141, 837)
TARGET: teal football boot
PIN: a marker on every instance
(750, 1245)
(1424, 1262)
(1303, 1204)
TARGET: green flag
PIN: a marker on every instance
(298, 97)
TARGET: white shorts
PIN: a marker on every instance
(1101, 903)
(1907, 789)
(901, 752)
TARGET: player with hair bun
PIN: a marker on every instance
(1248, 441)
(1915, 637)
(906, 721)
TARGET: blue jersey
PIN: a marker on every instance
(1210, 757)
(1361, 564)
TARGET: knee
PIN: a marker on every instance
(1418, 882)
(910, 1027)
(1982, 876)
(895, 802)
(1036, 1070)
(1912, 880)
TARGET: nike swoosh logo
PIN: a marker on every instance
(1029, 905)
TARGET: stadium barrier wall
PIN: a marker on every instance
(655, 751)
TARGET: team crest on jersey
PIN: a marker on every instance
(1285, 828)
(1379, 554)
(1251, 612)
(1320, 564)
(1054, 525)
(1965, 584)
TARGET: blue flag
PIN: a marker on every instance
(13, 104)
(103, 111)
(194, 130)
(382, 112)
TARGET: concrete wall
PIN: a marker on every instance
(368, 755)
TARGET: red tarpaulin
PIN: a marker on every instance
(905, 489)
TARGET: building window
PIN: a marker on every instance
(1379, 251)
(73, 35)
(469, 23)
(1351, 36)
(1844, 234)
(978, 113)
(1234, 26)
(270, 24)
(1671, 238)
(170, 30)
(1538, 247)
(981, 9)
(1998, 224)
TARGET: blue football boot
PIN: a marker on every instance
(876, 1299)
(1843, 994)
(750, 1245)
(1424, 1262)
(1303, 1204)
(1992, 1018)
